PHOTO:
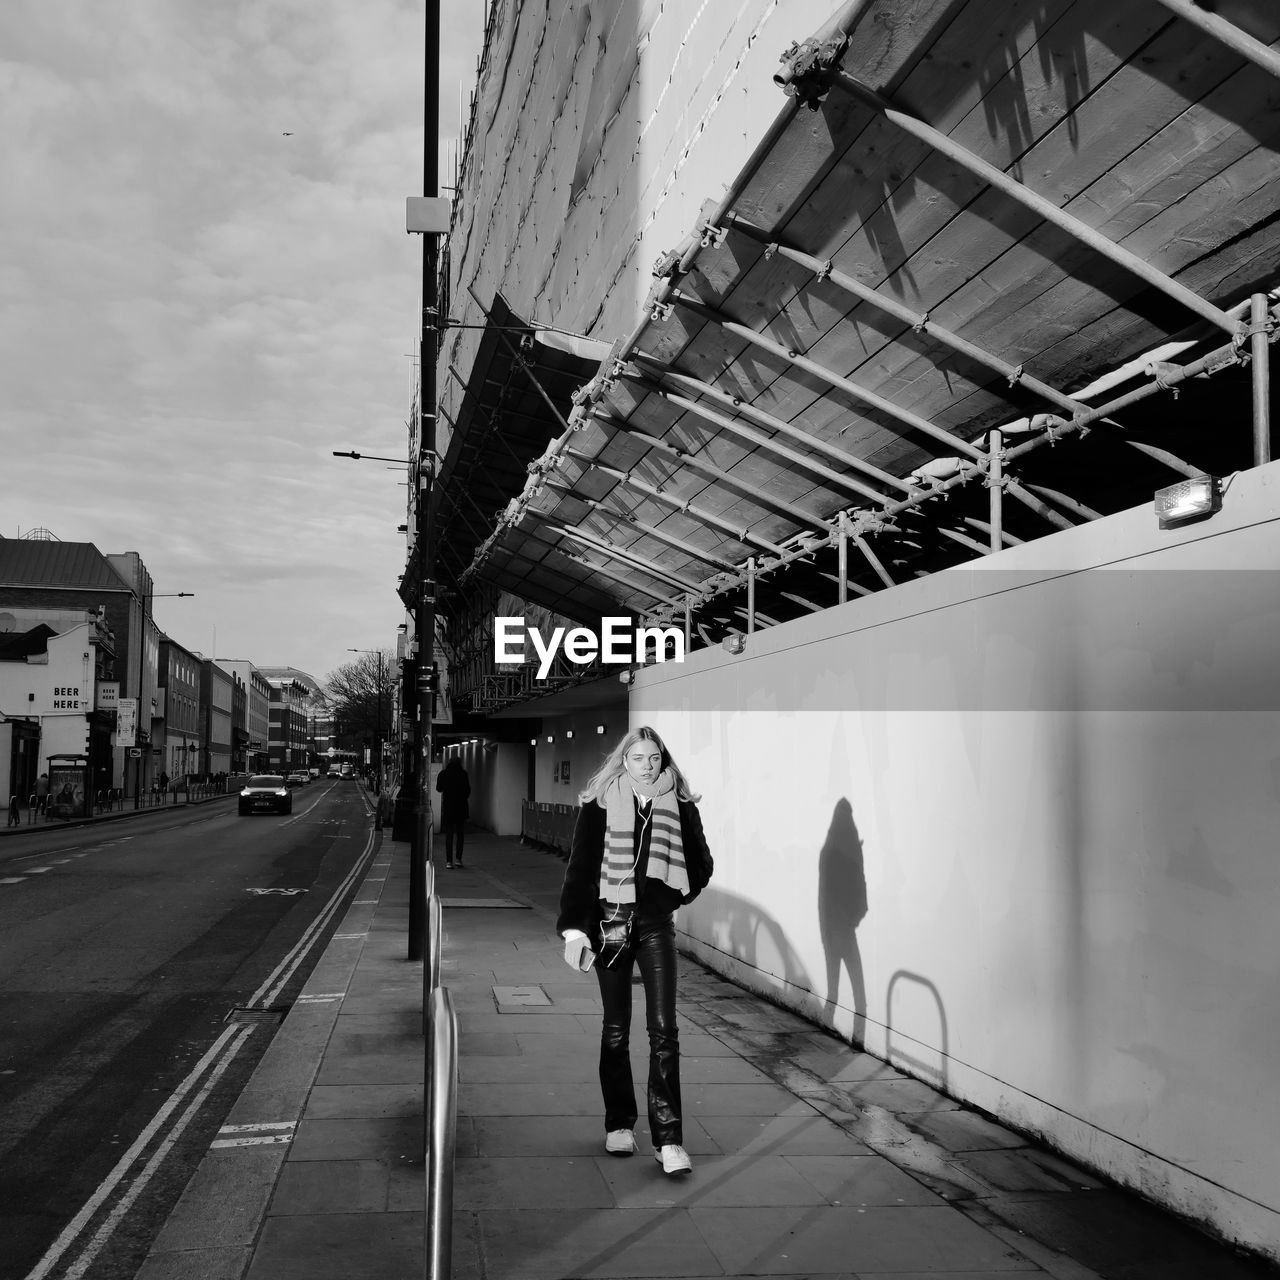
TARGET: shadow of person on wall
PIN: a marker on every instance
(744, 931)
(842, 904)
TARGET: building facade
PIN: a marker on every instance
(44, 573)
(56, 671)
(257, 712)
(184, 724)
(216, 702)
(287, 740)
(239, 725)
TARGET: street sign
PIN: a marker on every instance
(134, 753)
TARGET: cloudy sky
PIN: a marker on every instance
(206, 287)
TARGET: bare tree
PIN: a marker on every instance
(360, 697)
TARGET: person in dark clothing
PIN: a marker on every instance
(455, 789)
(638, 853)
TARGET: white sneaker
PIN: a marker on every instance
(620, 1142)
(673, 1159)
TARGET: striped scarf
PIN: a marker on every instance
(666, 849)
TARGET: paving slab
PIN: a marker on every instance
(531, 1182)
(743, 1179)
(310, 1187)
(769, 1240)
(365, 1101)
(525, 1244)
(339, 1246)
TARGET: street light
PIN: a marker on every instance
(373, 457)
(378, 733)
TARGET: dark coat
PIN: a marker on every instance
(454, 787)
(580, 894)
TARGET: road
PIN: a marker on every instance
(144, 965)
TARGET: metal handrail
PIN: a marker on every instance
(441, 1125)
(435, 927)
(430, 971)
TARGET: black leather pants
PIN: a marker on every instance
(653, 948)
(454, 829)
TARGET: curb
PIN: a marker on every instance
(211, 1232)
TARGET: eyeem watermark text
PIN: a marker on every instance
(617, 643)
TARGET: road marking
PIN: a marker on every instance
(274, 1140)
(13, 880)
(227, 1045)
(38, 871)
(275, 1133)
(267, 993)
(303, 814)
(286, 892)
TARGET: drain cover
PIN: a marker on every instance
(273, 1017)
(520, 995)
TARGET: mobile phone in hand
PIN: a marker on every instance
(578, 954)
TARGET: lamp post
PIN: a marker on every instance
(143, 598)
(378, 732)
(425, 468)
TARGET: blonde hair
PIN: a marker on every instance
(613, 767)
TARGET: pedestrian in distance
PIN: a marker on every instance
(455, 791)
(42, 793)
(15, 819)
(638, 854)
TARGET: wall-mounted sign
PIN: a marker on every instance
(108, 695)
(66, 697)
(126, 722)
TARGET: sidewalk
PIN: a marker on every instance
(111, 815)
(810, 1158)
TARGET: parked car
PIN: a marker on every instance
(265, 793)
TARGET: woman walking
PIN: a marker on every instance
(638, 853)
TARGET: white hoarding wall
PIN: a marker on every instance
(1014, 827)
